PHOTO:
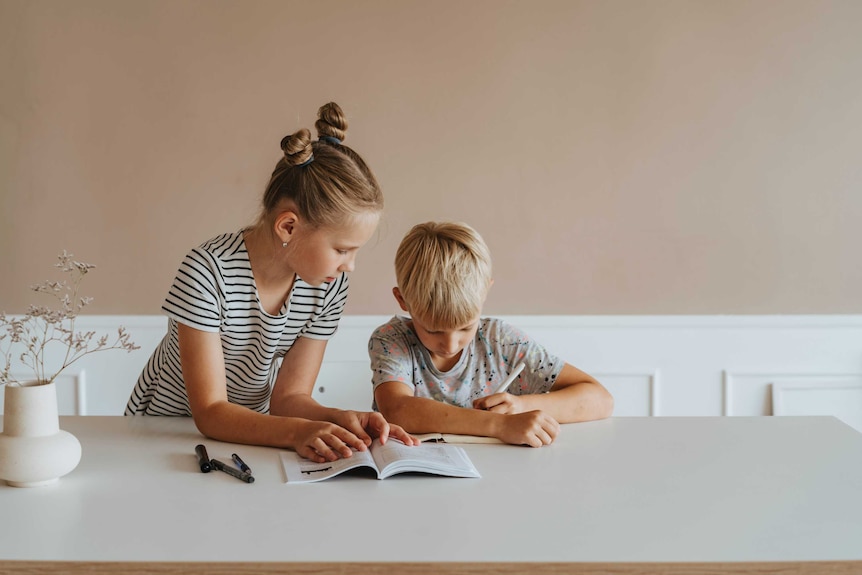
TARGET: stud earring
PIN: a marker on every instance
(284, 244)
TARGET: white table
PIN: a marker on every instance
(624, 495)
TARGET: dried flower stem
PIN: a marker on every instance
(42, 326)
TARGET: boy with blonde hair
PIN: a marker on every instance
(437, 370)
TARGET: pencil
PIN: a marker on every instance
(509, 380)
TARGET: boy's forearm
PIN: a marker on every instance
(422, 415)
(573, 403)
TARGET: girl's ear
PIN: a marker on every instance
(397, 293)
(285, 226)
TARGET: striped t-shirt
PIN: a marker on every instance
(214, 291)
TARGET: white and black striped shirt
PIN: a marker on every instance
(214, 291)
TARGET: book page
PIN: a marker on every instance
(438, 459)
(456, 438)
(300, 470)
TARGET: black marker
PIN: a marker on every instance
(241, 463)
(231, 471)
(203, 458)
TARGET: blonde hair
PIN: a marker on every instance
(443, 270)
(326, 181)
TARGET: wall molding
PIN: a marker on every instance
(651, 406)
(71, 390)
(841, 397)
(770, 378)
(654, 365)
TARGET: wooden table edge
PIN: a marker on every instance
(427, 568)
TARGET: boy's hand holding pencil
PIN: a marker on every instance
(499, 401)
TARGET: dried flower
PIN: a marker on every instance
(27, 337)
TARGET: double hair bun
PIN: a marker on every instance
(331, 126)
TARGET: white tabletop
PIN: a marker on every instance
(724, 490)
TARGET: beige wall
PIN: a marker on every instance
(639, 157)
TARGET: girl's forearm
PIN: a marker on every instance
(236, 424)
(304, 406)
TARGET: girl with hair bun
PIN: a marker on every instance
(273, 291)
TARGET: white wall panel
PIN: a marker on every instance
(71, 390)
(654, 365)
(839, 395)
(635, 393)
(752, 393)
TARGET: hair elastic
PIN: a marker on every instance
(284, 141)
(330, 139)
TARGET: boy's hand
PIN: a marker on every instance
(533, 428)
(500, 403)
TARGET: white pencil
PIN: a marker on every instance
(509, 380)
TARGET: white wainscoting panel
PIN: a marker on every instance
(345, 383)
(840, 396)
(635, 393)
(100, 383)
(754, 393)
(71, 390)
(653, 365)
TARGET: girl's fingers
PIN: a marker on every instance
(398, 433)
(358, 424)
(378, 423)
(323, 449)
(310, 454)
(346, 442)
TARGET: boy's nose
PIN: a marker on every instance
(450, 344)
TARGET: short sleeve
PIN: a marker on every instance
(391, 357)
(541, 366)
(325, 324)
(193, 299)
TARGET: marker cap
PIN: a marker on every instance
(203, 458)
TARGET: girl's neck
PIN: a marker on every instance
(269, 263)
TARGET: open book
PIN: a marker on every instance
(386, 460)
(455, 438)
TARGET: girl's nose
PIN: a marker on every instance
(348, 265)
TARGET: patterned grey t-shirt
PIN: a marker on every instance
(397, 355)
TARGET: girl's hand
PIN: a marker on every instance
(368, 424)
(501, 403)
(322, 441)
(533, 428)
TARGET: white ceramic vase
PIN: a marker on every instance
(34, 451)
